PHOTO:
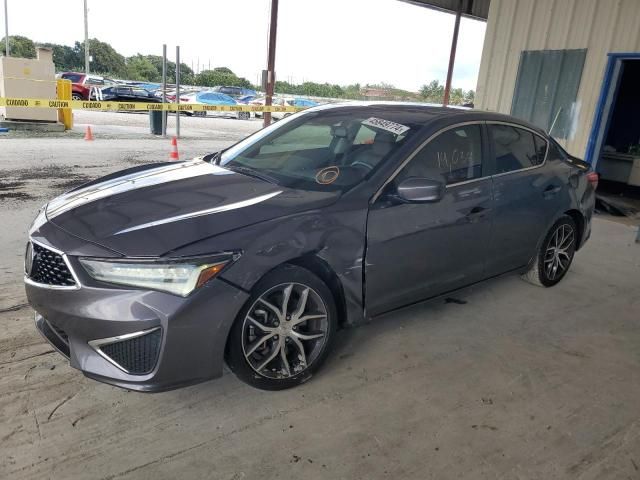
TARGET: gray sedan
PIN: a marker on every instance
(257, 255)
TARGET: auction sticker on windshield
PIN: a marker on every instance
(387, 125)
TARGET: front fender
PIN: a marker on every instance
(336, 235)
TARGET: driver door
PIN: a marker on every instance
(420, 250)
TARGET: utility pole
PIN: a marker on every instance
(271, 61)
(452, 55)
(6, 29)
(178, 91)
(164, 89)
(86, 38)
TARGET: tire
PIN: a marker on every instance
(76, 96)
(264, 330)
(554, 258)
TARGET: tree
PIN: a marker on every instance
(223, 70)
(19, 46)
(433, 92)
(140, 68)
(105, 60)
(186, 74)
(65, 58)
(212, 78)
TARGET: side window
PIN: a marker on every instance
(556, 153)
(515, 148)
(453, 156)
(541, 149)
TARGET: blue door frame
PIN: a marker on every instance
(606, 101)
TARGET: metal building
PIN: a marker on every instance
(571, 67)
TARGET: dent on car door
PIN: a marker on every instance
(419, 250)
(528, 194)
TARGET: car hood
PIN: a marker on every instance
(157, 209)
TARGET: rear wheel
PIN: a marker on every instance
(76, 96)
(555, 255)
(284, 332)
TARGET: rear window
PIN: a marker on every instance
(515, 148)
(74, 77)
(541, 149)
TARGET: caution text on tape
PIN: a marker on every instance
(120, 106)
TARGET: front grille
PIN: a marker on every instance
(49, 268)
(136, 355)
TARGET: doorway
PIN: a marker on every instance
(614, 145)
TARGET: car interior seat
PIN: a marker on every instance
(370, 155)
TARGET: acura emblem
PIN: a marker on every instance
(28, 259)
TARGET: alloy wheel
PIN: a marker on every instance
(559, 252)
(285, 330)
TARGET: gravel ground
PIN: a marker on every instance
(136, 125)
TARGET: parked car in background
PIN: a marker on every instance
(150, 279)
(302, 103)
(246, 99)
(123, 93)
(275, 101)
(81, 84)
(283, 102)
(234, 92)
(208, 97)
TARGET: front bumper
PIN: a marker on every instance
(190, 347)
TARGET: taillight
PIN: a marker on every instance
(184, 99)
(593, 178)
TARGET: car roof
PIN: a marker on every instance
(431, 112)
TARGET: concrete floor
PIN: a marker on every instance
(518, 382)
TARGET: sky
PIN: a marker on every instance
(335, 41)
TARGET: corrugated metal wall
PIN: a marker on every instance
(600, 26)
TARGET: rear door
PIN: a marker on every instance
(419, 250)
(527, 195)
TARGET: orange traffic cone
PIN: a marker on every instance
(88, 135)
(174, 149)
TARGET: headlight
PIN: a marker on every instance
(180, 278)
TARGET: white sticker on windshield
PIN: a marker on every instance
(392, 127)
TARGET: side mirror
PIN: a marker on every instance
(420, 190)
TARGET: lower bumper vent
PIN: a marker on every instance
(54, 335)
(136, 353)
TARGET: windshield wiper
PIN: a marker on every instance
(250, 172)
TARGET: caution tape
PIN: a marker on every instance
(137, 106)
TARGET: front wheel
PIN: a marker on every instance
(77, 97)
(284, 332)
(555, 255)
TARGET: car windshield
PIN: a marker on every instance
(327, 149)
